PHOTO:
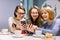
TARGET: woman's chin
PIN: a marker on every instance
(45, 19)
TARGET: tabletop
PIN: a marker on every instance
(12, 37)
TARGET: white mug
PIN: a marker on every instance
(4, 31)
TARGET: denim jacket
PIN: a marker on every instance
(53, 28)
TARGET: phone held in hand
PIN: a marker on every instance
(23, 22)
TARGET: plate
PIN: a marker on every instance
(39, 36)
(53, 38)
(15, 36)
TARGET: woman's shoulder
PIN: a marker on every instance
(28, 20)
(24, 19)
(11, 18)
(44, 22)
(57, 20)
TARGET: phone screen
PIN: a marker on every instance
(23, 22)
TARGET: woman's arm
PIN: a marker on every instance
(11, 24)
(54, 30)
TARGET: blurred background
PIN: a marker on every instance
(7, 8)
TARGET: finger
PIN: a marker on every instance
(31, 25)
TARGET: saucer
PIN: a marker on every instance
(1, 33)
(15, 36)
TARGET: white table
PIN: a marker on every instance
(10, 37)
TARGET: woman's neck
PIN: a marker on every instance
(49, 22)
(17, 19)
(34, 19)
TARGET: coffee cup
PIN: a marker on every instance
(38, 32)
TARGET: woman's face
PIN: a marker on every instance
(34, 13)
(20, 13)
(45, 15)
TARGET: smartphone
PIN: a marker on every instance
(23, 22)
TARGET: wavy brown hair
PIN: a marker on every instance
(38, 20)
(18, 7)
(50, 12)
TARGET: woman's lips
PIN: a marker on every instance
(45, 17)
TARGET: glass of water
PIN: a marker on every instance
(38, 32)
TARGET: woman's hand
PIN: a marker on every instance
(30, 28)
(13, 27)
(23, 26)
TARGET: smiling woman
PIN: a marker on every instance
(34, 15)
(15, 22)
(50, 24)
(34, 19)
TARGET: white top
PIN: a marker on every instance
(11, 20)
